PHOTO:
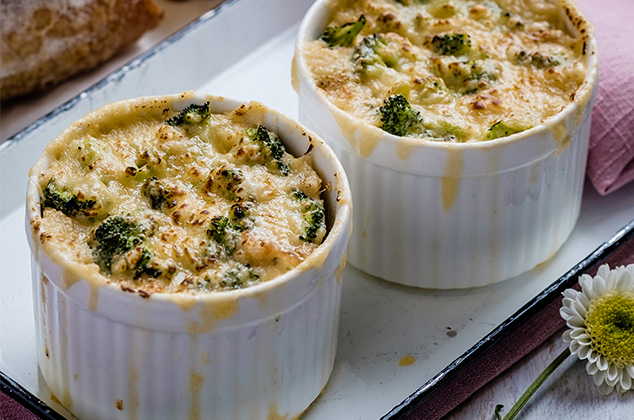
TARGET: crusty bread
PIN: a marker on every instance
(47, 41)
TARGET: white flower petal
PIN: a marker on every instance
(603, 270)
(584, 351)
(612, 376)
(625, 281)
(576, 322)
(591, 368)
(599, 377)
(586, 286)
(599, 286)
(625, 383)
(605, 389)
(606, 375)
(592, 358)
(579, 309)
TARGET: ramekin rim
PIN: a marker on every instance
(586, 89)
(341, 218)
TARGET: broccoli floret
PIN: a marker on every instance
(344, 35)
(451, 44)
(466, 77)
(159, 194)
(374, 50)
(399, 118)
(68, 203)
(539, 59)
(218, 229)
(313, 214)
(271, 147)
(239, 277)
(238, 216)
(119, 239)
(501, 129)
(224, 234)
(193, 114)
(224, 180)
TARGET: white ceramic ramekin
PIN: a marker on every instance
(264, 352)
(455, 215)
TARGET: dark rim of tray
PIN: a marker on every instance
(458, 366)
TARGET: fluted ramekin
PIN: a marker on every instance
(262, 352)
(455, 215)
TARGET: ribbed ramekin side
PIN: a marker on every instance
(497, 226)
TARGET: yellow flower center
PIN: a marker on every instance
(610, 325)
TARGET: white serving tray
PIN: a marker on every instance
(392, 338)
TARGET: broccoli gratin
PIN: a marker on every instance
(158, 197)
(450, 70)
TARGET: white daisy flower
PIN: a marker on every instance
(600, 319)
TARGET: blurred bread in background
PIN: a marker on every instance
(44, 42)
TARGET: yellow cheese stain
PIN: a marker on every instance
(340, 269)
(578, 115)
(212, 311)
(404, 149)
(43, 287)
(275, 415)
(294, 77)
(204, 358)
(559, 131)
(363, 139)
(450, 181)
(88, 274)
(534, 175)
(196, 381)
(65, 399)
(183, 301)
(407, 360)
(133, 389)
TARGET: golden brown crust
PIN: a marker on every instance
(46, 42)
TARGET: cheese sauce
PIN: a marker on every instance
(471, 69)
(162, 200)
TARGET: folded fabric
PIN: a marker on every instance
(611, 153)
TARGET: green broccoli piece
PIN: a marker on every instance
(271, 147)
(224, 180)
(193, 114)
(238, 213)
(68, 203)
(239, 277)
(399, 118)
(313, 214)
(120, 238)
(159, 194)
(218, 229)
(539, 59)
(344, 35)
(451, 44)
(501, 129)
(374, 50)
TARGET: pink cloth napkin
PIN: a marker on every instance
(611, 153)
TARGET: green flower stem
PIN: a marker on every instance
(534, 386)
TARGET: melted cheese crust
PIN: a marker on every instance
(521, 66)
(205, 172)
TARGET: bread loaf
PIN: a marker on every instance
(45, 42)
